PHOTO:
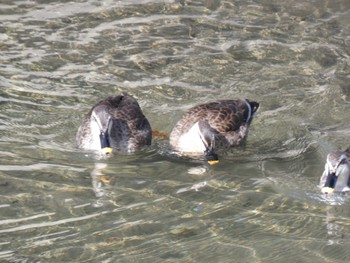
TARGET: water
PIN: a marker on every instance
(260, 204)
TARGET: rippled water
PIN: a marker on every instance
(260, 204)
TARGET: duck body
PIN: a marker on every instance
(208, 127)
(336, 175)
(117, 123)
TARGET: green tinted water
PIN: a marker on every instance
(260, 204)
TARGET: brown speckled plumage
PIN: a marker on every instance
(119, 116)
(221, 124)
(334, 157)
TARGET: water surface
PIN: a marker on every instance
(260, 204)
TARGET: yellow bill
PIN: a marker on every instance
(106, 150)
(327, 190)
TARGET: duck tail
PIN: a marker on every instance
(254, 105)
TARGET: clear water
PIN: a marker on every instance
(260, 204)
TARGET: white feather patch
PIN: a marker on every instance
(191, 141)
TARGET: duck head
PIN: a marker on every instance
(100, 123)
(336, 175)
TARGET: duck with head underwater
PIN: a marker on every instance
(208, 127)
(336, 176)
(117, 124)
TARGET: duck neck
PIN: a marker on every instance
(249, 110)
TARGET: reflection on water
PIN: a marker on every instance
(261, 203)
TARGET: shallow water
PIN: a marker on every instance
(260, 204)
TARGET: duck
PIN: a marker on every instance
(208, 127)
(116, 123)
(336, 175)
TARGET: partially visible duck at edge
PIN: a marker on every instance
(208, 127)
(336, 175)
(117, 124)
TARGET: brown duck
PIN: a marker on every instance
(208, 127)
(115, 123)
(336, 175)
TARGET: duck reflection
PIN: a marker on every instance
(334, 184)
